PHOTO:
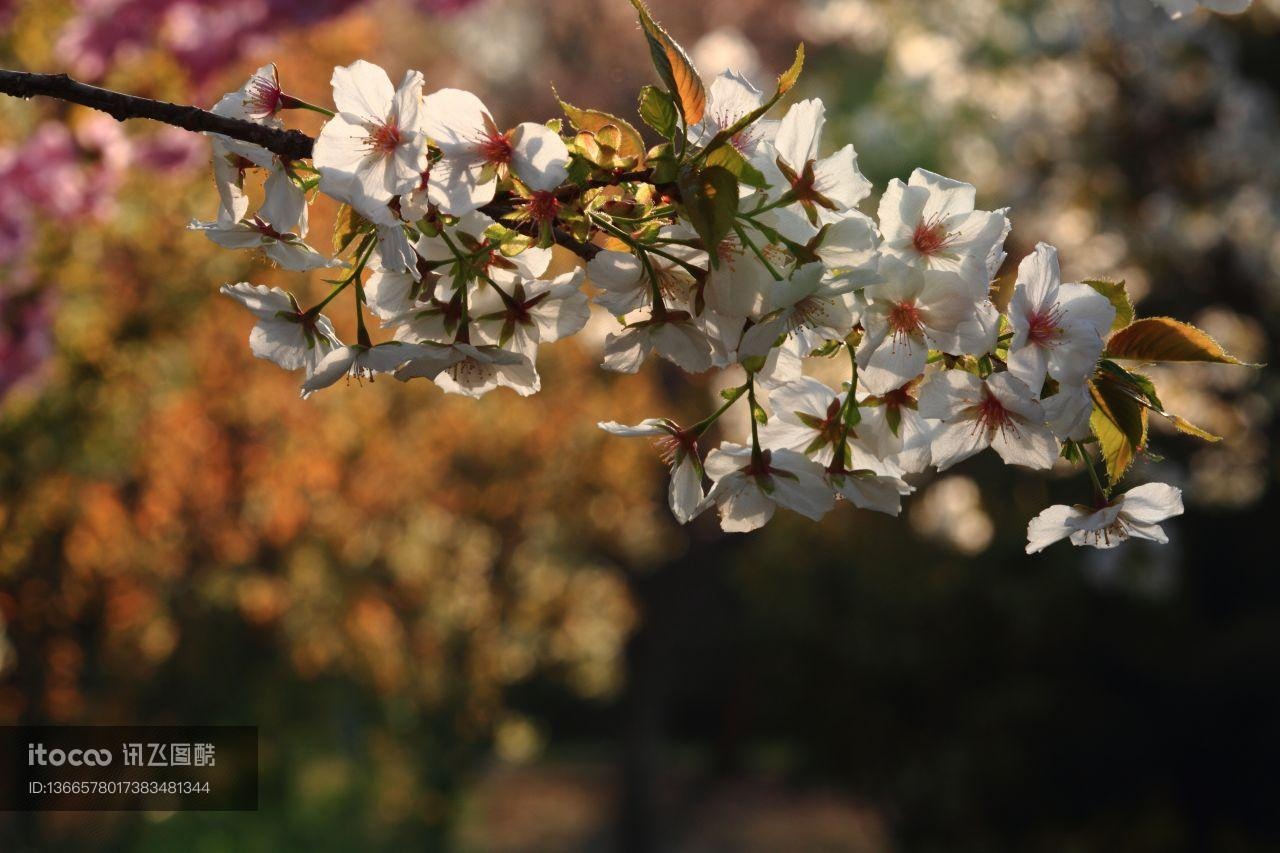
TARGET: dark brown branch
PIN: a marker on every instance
(289, 144)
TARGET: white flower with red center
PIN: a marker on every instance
(747, 491)
(892, 429)
(624, 280)
(374, 149)
(679, 450)
(473, 371)
(1057, 328)
(1136, 514)
(477, 155)
(868, 490)
(930, 223)
(1178, 8)
(277, 229)
(808, 306)
(999, 412)
(527, 312)
(262, 96)
(359, 362)
(671, 334)
(730, 97)
(830, 184)
(915, 310)
(284, 333)
(808, 417)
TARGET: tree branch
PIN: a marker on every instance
(289, 144)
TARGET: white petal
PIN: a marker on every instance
(539, 156)
(1050, 526)
(363, 90)
(1151, 503)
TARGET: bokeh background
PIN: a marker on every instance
(474, 626)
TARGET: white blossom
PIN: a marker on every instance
(679, 449)
(1135, 514)
(359, 361)
(477, 154)
(746, 492)
(999, 412)
(284, 333)
(374, 148)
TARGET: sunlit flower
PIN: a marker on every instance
(477, 155)
(1057, 328)
(528, 312)
(808, 418)
(673, 335)
(808, 306)
(284, 333)
(473, 371)
(360, 362)
(930, 223)
(746, 492)
(868, 490)
(679, 449)
(625, 283)
(915, 310)
(1135, 514)
(374, 149)
(730, 97)
(999, 412)
(832, 183)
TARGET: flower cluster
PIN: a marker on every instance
(734, 244)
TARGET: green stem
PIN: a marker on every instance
(750, 244)
(705, 424)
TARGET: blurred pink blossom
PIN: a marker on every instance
(26, 337)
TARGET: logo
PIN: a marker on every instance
(39, 756)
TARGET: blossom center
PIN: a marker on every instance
(904, 318)
(385, 138)
(994, 417)
(1044, 328)
(263, 97)
(930, 236)
(543, 207)
(496, 148)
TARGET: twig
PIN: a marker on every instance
(289, 144)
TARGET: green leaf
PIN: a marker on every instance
(674, 67)
(630, 142)
(1119, 299)
(658, 111)
(347, 227)
(711, 202)
(1166, 339)
(730, 158)
(1120, 424)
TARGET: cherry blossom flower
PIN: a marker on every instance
(673, 335)
(1057, 328)
(809, 306)
(374, 149)
(359, 361)
(473, 371)
(868, 490)
(529, 311)
(915, 310)
(679, 450)
(892, 429)
(477, 155)
(747, 492)
(832, 183)
(284, 333)
(999, 412)
(930, 223)
(624, 282)
(1135, 514)
(808, 418)
(277, 229)
(730, 97)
